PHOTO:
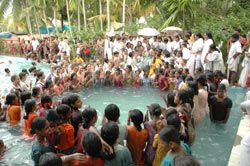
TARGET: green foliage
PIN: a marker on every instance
(2, 46)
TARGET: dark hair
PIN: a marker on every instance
(110, 133)
(87, 116)
(39, 74)
(185, 160)
(201, 79)
(193, 85)
(37, 124)
(112, 112)
(21, 75)
(137, 118)
(65, 100)
(72, 76)
(189, 78)
(7, 70)
(169, 133)
(183, 96)
(92, 144)
(170, 99)
(49, 158)
(35, 91)
(154, 109)
(47, 84)
(222, 87)
(13, 77)
(45, 99)
(57, 79)
(72, 98)
(24, 96)
(214, 48)
(28, 106)
(174, 120)
(52, 115)
(10, 98)
(63, 110)
(171, 111)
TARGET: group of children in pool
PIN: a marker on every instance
(61, 128)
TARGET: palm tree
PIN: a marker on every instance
(68, 16)
(108, 14)
(181, 10)
(84, 15)
(123, 13)
(100, 8)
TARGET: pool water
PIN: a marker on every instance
(213, 141)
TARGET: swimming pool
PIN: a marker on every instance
(213, 141)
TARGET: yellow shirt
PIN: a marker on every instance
(78, 60)
(161, 151)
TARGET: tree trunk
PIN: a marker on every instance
(54, 8)
(62, 22)
(67, 6)
(37, 26)
(78, 16)
(123, 13)
(84, 15)
(28, 18)
(108, 14)
(100, 5)
(44, 16)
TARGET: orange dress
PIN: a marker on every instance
(67, 139)
(27, 123)
(90, 162)
(14, 114)
(136, 142)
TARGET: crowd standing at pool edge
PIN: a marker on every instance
(189, 72)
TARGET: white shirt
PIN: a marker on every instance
(235, 48)
(245, 150)
(34, 44)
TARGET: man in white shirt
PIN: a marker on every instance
(34, 43)
(233, 59)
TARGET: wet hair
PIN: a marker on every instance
(92, 144)
(47, 84)
(222, 87)
(24, 97)
(52, 115)
(112, 112)
(65, 100)
(28, 107)
(169, 133)
(185, 160)
(170, 98)
(193, 85)
(87, 116)
(154, 109)
(13, 77)
(33, 68)
(46, 99)
(50, 158)
(183, 96)
(174, 120)
(7, 70)
(37, 124)
(62, 110)
(110, 133)
(35, 91)
(137, 118)
(72, 98)
(171, 111)
(10, 98)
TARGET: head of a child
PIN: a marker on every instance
(53, 118)
(169, 137)
(221, 91)
(137, 118)
(46, 101)
(92, 144)
(181, 97)
(170, 99)
(174, 120)
(89, 117)
(50, 158)
(36, 92)
(15, 79)
(11, 99)
(29, 107)
(24, 96)
(110, 133)
(112, 112)
(7, 71)
(64, 112)
(154, 110)
(40, 127)
(74, 101)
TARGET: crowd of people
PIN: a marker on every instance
(190, 70)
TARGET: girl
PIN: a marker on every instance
(67, 139)
(40, 80)
(58, 86)
(14, 110)
(137, 80)
(92, 146)
(163, 81)
(48, 88)
(36, 94)
(169, 137)
(121, 155)
(155, 113)
(75, 103)
(137, 137)
(74, 82)
(89, 118)
(220, 105)
(117, 78)
(40, 127)
(30, 109)
(45, 105)
(128, 76)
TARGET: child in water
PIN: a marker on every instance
(30, 110)
(14, 110)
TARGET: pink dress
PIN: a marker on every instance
(80, 134)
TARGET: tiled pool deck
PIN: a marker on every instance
(243, 129)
